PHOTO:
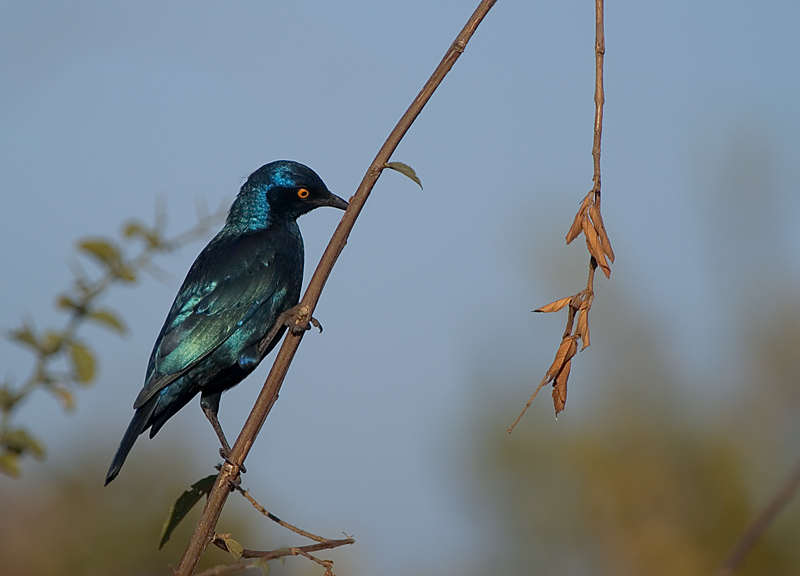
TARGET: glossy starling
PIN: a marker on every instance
(233, 295)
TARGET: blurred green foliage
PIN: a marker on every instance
(641, 484)
(65, 523)
(62, 359)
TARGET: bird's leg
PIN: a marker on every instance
(210, 405)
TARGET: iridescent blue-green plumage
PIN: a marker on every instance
(248, 275)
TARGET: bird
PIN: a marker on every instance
(234, 297)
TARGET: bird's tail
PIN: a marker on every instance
(140, 421)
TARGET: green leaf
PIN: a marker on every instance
(133, 228)
(65, 302)
(25, 335)
(7, 398)
(233, 546)
(125, 273)
(104, 251)
(405, 170)
(64, 396)
(183, 504)
(83, 362)
(9, 465)
(17, 441)
(51, 342)
(263, 564)
(108, 319)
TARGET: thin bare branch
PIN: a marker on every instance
(277, 520)
(204, 532)
(599, 94)
(760, 524)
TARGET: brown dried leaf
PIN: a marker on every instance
(560, 388)
(577, 222)
(597, 220)
(595, 248)
(555, 306)
(565, 352)
(573, 349)
(582, 329)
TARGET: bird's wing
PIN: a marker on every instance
(227, 283)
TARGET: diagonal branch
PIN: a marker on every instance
(760, 524)
(269, 394)
(277, 520)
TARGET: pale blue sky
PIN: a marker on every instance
(106, 108)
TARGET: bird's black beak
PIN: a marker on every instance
(335, 202)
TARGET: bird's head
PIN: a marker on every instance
(293, 189)
(280, 190)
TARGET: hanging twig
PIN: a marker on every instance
(588, 221)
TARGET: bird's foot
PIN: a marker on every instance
(234, 481)
(225, 455)
(298, 319)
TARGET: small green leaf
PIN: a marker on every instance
(25, 335)
(233, 546)
(125, 273)
(65, 303)
(83, 362)
(17, 441)
(7, 398)
(104, 251)
(64, 396)
(51, 342)
(263, 564)
(405, 170)
(133, 228)
(9, 464)
(183, 504)
(108, 319)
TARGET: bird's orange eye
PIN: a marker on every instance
(302, 193)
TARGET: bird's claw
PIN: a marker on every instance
(298, 327)
(225, 455)
(299, 320)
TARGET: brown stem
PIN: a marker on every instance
(759, 525)
(599, 95)
(277, 520)
(249, 555)
(269, 394)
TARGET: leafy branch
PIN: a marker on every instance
(62, 360)
(248, 558)
(589, 222)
